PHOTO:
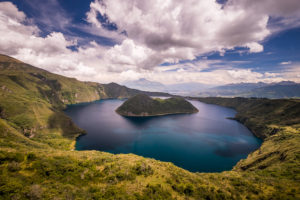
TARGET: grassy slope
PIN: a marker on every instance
(264, 117)
(36, 160)
(32, 99)
(143, 105)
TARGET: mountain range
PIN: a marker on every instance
(177, 89)
(284, 89)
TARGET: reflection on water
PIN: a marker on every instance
(205, 141)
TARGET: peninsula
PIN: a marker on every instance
(142, 105)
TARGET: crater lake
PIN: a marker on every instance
(202, 142)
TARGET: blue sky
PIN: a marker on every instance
(114, 41)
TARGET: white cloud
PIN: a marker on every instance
(286, 63)
(216, 77)
(177, 30)
(291, 72)
(10, 11)
(127, 55)
(158, 31)
(275, 8)
(255, 47)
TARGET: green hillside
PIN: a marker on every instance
(142, 105)
(37, 160)
(32, 99)
(264, 117)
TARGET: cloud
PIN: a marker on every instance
(275, 8)
(10, 11)
(49, 14)
(291, 72)
(127, 55)
(216, 77)
(286, 63)
(282, 14)
(177, 30)
(157, 32)
(52, 52)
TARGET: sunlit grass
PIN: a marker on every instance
(38, 161)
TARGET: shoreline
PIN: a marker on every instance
(154, 115)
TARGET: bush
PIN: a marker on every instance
(35, 192)
(14, 166)
(188, 190)
(143, 169)
(31, 157)
(156, 192)
(9, 156)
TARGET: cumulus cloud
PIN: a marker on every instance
(150, 33)
(177, 30)
(22, 40)
(276, 8)
(283, 14)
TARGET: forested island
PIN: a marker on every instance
(142, 105)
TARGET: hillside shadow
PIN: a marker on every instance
(59, 120)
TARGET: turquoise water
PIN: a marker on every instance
(203, 142)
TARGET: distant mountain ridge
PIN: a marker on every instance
(146, 85)
(284, 89)
(177, 88)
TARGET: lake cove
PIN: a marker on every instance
(201, 142)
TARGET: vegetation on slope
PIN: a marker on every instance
(284, 89)
(32, 99)
(142, 105)
(37, 161)
(264, 117)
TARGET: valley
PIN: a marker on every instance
(38, 161)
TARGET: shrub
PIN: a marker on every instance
(35, 192)
(14, 166)
(156, 192)
(31, 156)
(143, 169)
(9, 156)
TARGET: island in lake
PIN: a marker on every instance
(142, 105)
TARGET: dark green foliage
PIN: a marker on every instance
(143, 105)
(142, 169)
(31, 157)
(155, 192)
(183, 189)
(10, 157)
(63, 122)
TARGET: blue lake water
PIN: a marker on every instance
(201, 142)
